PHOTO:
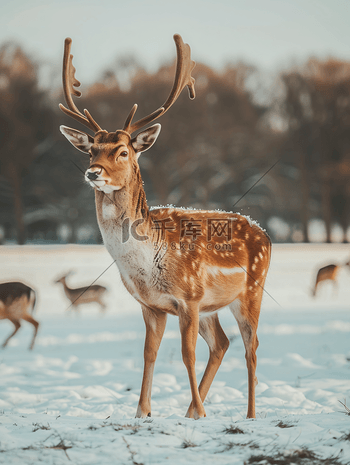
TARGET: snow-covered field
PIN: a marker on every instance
(74, 397)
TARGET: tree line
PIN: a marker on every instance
(284, 162)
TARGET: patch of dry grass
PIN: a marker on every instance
(299, 456)
(233, 430)
(281, 424)
(37, 426)
(347, 409)
(188, 443)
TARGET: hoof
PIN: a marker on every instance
(141, 414)
(195, 414)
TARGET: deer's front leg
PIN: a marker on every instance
(155, 324)
(189, 324)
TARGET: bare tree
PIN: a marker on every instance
(25, 121)
(317, 108)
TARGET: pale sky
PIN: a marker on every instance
(267, 33)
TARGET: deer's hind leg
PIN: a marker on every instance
(246, 311)
(17, 325)
(213, 334)
(31, 320)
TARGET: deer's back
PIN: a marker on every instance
(14, 299)
(327, 272)
(13, 291)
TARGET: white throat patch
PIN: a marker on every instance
(107, 188)
(100, 184)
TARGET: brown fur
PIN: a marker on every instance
(83, 295)
(166, 273)
(16, 301)
(189, 280)
(184, 274)
(329, 272)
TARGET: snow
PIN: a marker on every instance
(74, 397)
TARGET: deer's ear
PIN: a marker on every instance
(146, 139)
(80, 140)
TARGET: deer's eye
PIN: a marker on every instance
(124, 154)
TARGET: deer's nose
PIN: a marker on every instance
(92, 175)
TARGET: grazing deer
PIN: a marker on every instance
(176, 261)
(83, 295)
(16, 301)
(328, 273)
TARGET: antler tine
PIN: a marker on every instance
(130, 117)
(69, 88)
(183, 78)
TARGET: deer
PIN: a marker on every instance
(83, 295)
(172, 260)
(17, 302)
(328, 273)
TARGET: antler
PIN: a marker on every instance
(69, 84)
(183, 78)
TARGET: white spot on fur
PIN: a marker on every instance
(261, 255)
(214, 270)
(253, 267)
(256, 259)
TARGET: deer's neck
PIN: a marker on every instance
(117, 213)
(129, 202)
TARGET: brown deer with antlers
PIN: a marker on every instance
(183, 262)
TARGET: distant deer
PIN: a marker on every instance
(83, 295)
(204, 261)
(16, 301)
(328, 273)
